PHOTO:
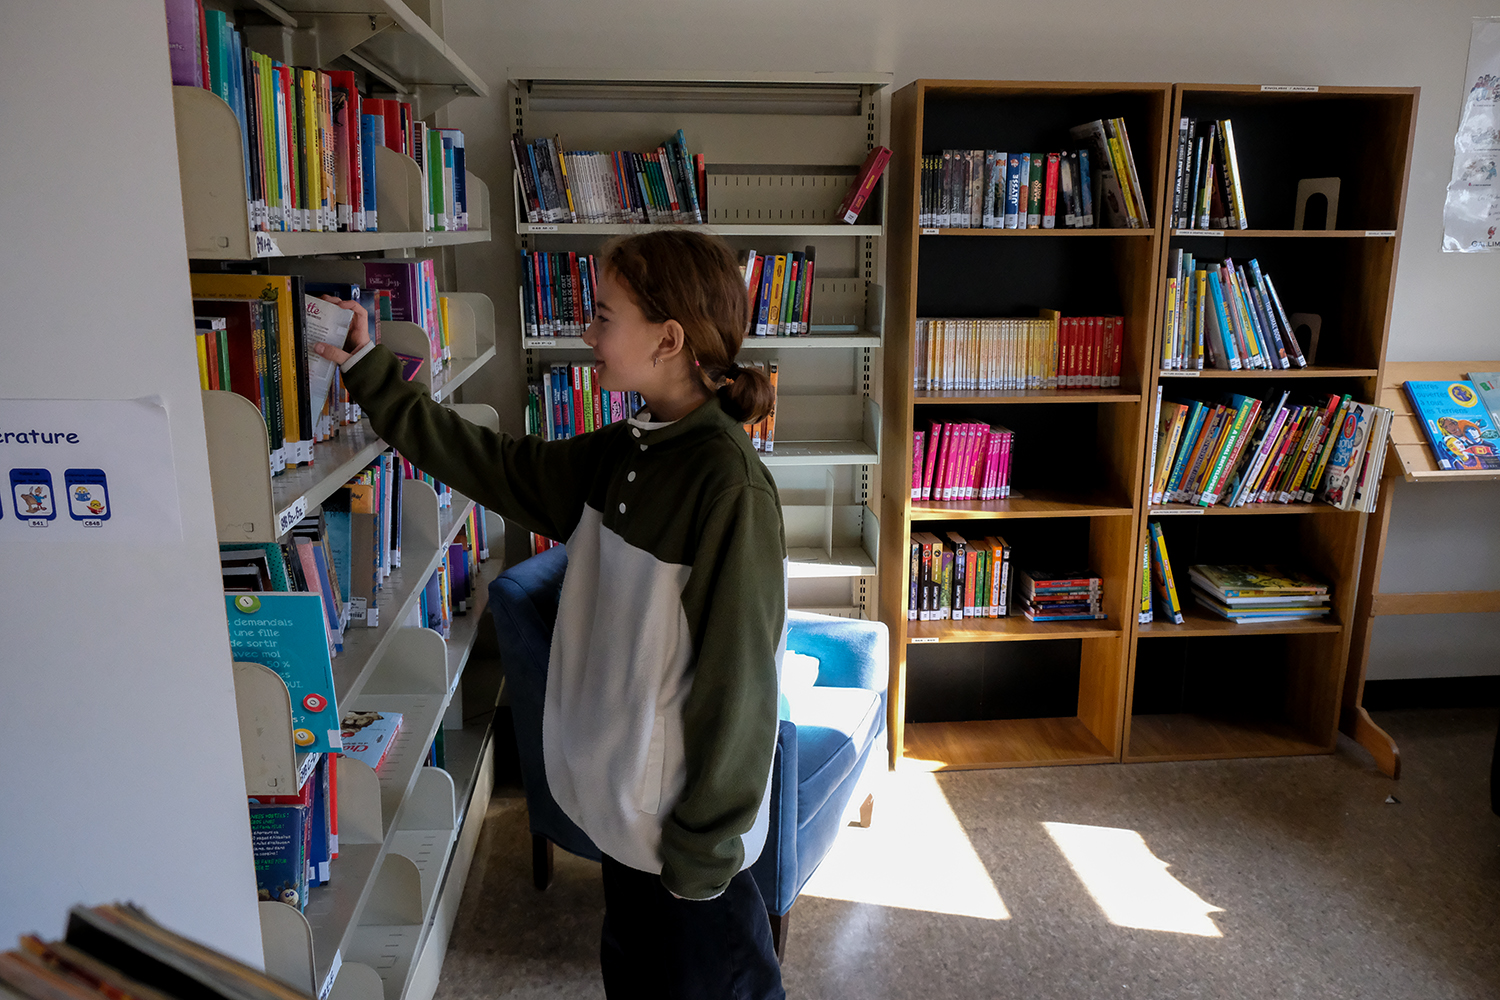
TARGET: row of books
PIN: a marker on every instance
(569, 402)
(1241, 450)
(118, 952)
(763, 431)
(309, 137)
(1227, 315)
(1206, 188)
(666, 185)
(1461, 419)
(1051, 352)
(557, 292)
(952, 577)
(780, 289)
(1239, 593)
(255, 335)
(961, 461)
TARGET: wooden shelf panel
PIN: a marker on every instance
(1059, 231)
(1032, 503)
(1311, 371)
(1007, 397)
(1196, 621)
(1014, 628)
(1189, 510)
(957, 746)
(1301, 234)
(1198, 737)
(721, 229)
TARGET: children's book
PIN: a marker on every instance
(288, 633)
(1488, 384)
(1161, 573)
(1341, 478)
(323, 323)
(1457, 423)
(278, 839)
(1254, 581)
(368, 736)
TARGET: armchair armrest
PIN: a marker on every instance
(850, 652)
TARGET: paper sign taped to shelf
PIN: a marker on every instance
(1281, 88)
(1199, 232)
(89, 470)
(541, 229)
(929, 232)
(1380, 232)
(541, 343)
(333, 973)
(265, 246)
(1189, 373)
(296, 512)
(925, 638)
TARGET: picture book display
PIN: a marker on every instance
(1094, 185)
(1457, 423)
(309, 137)
(1238, 449)
(1224, 315)
(952, 577)
(1207, 192)
(1050, 352)
(962, 461)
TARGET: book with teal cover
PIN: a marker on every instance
(1457, 424)
(289, 634)
(1488, 384)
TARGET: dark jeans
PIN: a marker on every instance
(658, 947)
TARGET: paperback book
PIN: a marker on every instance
(1457, 423)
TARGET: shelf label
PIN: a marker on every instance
(1380, 232)
(925, 638)
(296, 512)
(930, 232)
(1281, 88)
(1188, 373)
(333, 973)
(1163, 511)
(541, 343)
(265, 246)
(1200, 232)
(535, 228)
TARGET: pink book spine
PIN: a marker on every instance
(952, 452)
(956, 463)
(918, 441)
(940, 475)
(929, 461)
(1004, 463)
(992, 466)
(976, 464)
(986, 462)
(971, 453)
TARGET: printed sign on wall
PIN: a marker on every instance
(1471, 213)
(87, 468)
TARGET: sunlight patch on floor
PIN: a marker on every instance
(1130, 884)
(914, 856)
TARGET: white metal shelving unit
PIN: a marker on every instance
(781, 150)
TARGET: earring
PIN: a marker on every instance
(654, 361)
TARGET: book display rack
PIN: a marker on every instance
(780, 151)
(1116, 689)
(378, 929)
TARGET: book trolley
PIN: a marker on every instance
(379, 928)
(1018, 692)
(781, 150)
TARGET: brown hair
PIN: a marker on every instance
(693, 277)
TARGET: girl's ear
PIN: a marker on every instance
(673, 339)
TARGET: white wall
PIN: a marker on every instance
(121, 771)
(1445, 306)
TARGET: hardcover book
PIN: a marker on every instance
(1458, 427)
(288, 634)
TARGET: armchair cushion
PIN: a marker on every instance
(834, 727)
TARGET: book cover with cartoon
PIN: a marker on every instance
(1457, 424)
(288, 634)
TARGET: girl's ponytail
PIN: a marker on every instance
(693, 277)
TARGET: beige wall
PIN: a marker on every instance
(1446, 304)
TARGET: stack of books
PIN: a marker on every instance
(1206, 188)
(308, 136)
(118, 952)
(1459, 420)
(557, 293)
(569, 401)
(666, 185)
(953, 577)
(1258, 593)
(1226, 314)
(1241, 450)
(1051, 352)
(961, 461)
(993, 189)
(780, 290)
(1070, 595)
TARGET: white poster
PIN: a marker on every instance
(81, 469)
(1471, 214)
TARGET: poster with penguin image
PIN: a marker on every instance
(87, 470)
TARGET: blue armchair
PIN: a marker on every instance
(830, 747)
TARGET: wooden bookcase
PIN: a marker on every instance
(1208, 687)
(378, 930)
(781, 149)
(1006, 692)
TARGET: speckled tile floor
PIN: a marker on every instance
(1259, 879)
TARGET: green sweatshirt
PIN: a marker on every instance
(659, 725)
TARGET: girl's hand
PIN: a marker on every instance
(359, 332)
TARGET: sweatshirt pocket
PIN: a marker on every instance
(656, 756)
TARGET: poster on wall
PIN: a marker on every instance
(86, 469)
(1471, 213)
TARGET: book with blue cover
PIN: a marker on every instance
(1457, 424)
(278, 839)
(288, 633)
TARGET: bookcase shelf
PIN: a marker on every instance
(1074, 508)
(1276, 689)
(766, 230)
(816, 341)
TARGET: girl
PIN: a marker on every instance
(659, 723)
